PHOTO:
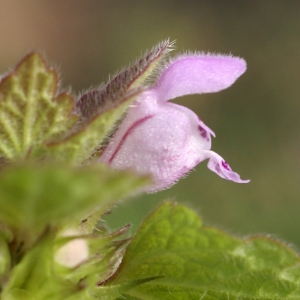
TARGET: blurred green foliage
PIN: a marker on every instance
(256, 120)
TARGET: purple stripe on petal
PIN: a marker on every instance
(127, 133)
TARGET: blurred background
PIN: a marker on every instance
(256, 120)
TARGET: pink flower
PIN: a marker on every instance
(168, 140)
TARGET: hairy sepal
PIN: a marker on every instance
(134, 76)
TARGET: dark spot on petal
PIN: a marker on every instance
(225, 165)
(203, 133)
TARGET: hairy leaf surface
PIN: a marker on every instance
(31, 112)
(191, 261)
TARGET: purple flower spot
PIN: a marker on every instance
(203, 132)
(225, 165)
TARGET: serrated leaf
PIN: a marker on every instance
(198, 262)
(30, 111)
(33, 196)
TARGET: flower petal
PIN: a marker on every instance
(197, 74)
(165, 140)
(218, 165)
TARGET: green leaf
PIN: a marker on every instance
(19, 294)
(33, 196)
(192, 261)
(112, 292)
(30, 111)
